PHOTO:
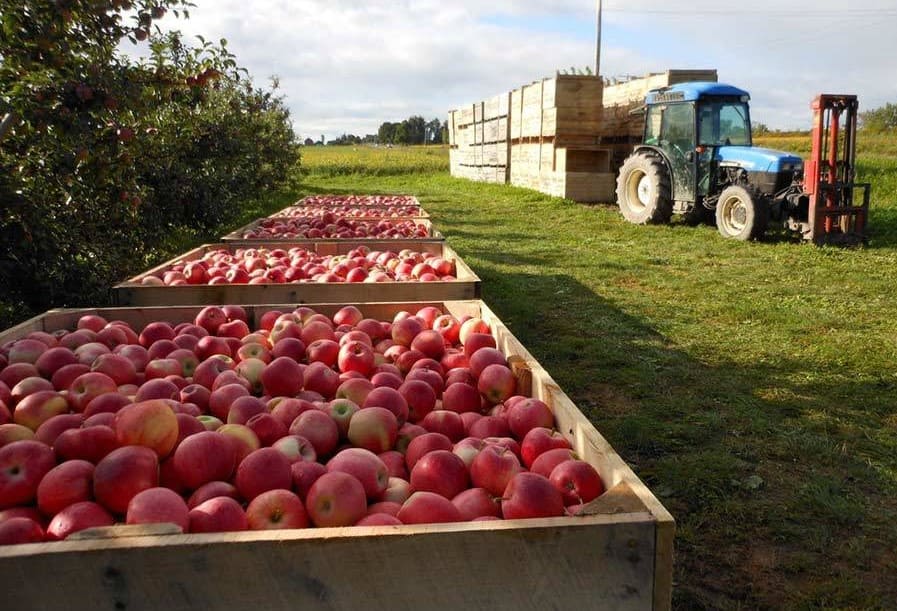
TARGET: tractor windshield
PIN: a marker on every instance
(724, 123)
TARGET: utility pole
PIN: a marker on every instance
(598, 43)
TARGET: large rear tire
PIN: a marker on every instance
(741, 214)
(643, 189)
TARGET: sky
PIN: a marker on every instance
(346, 66)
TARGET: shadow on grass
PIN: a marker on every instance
(770, 510)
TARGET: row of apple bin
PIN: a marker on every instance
(359, 432)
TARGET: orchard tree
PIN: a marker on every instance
(880, 119)
(100, 154)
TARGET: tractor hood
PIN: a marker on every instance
(757, 159)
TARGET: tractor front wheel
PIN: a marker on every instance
(741, 214)
(643, 190)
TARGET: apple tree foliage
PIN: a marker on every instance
(102, 154)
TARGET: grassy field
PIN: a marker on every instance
(752, 386)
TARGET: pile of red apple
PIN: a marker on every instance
(331, 226)
(351, 211)
(308, 421)
(299, 265)
(358, 200)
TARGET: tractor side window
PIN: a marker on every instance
(679, 126)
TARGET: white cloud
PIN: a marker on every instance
(349, 65)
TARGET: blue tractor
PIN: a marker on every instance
(697, 159)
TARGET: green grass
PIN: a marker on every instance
(753, 386)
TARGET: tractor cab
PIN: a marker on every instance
(697, 143)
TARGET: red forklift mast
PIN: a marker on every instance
(835, 214)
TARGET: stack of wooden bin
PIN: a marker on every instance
(564, 136)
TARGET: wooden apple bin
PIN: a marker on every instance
(238, 235)
(619, 556)
(466, 285)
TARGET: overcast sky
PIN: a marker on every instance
(345, 66)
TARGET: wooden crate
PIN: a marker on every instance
(619, 556)
(132, 292)
(299, 207)
(238, 234)
(634, 90)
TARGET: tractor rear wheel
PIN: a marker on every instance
(741, 214)
(643, 189)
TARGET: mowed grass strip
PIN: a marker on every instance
(753, 386)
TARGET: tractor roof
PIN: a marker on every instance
(689, 92)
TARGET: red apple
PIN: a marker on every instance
(539, 440)
(373, 428)
(441, 472)
(39, 407)
(244, 408)
(11, 432)
(477, 502)
(291, 347)
(155, 331)
(460, 398)
(530, 495)
(348, 315)
(406, 433)
(287, 409)
(365, 466)
(22, 466)
(420, 398)
(282, 377)
(493, 467)
(21, 530)
(90, 443)
(204, 457)
(321, 379)
(423, 444)
(52, 428)
(210, 368)
(342, 410)
(472, 325)
(68, 483)
(263, 470)
(577, 480)
(545, 462)
(53, 360)
(378, 519)
(443, 421)
(211, 318)
(88, 386)
(424, 507)
(356, 356)
(336, 499)
(496, 383)
(122, 473)
(525, 415)
(218, 514)
(108, 403)
(319, 428)
(79, 516)
(489, 426)
(295, 448)
(468, 448)
(243, 439)
(395, 463)
(276, 509)
(151, 424)
(158, 506)
(305, 474)
(210, 490)
(389, 398)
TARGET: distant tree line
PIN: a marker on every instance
(883, 119)
(413, 130)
